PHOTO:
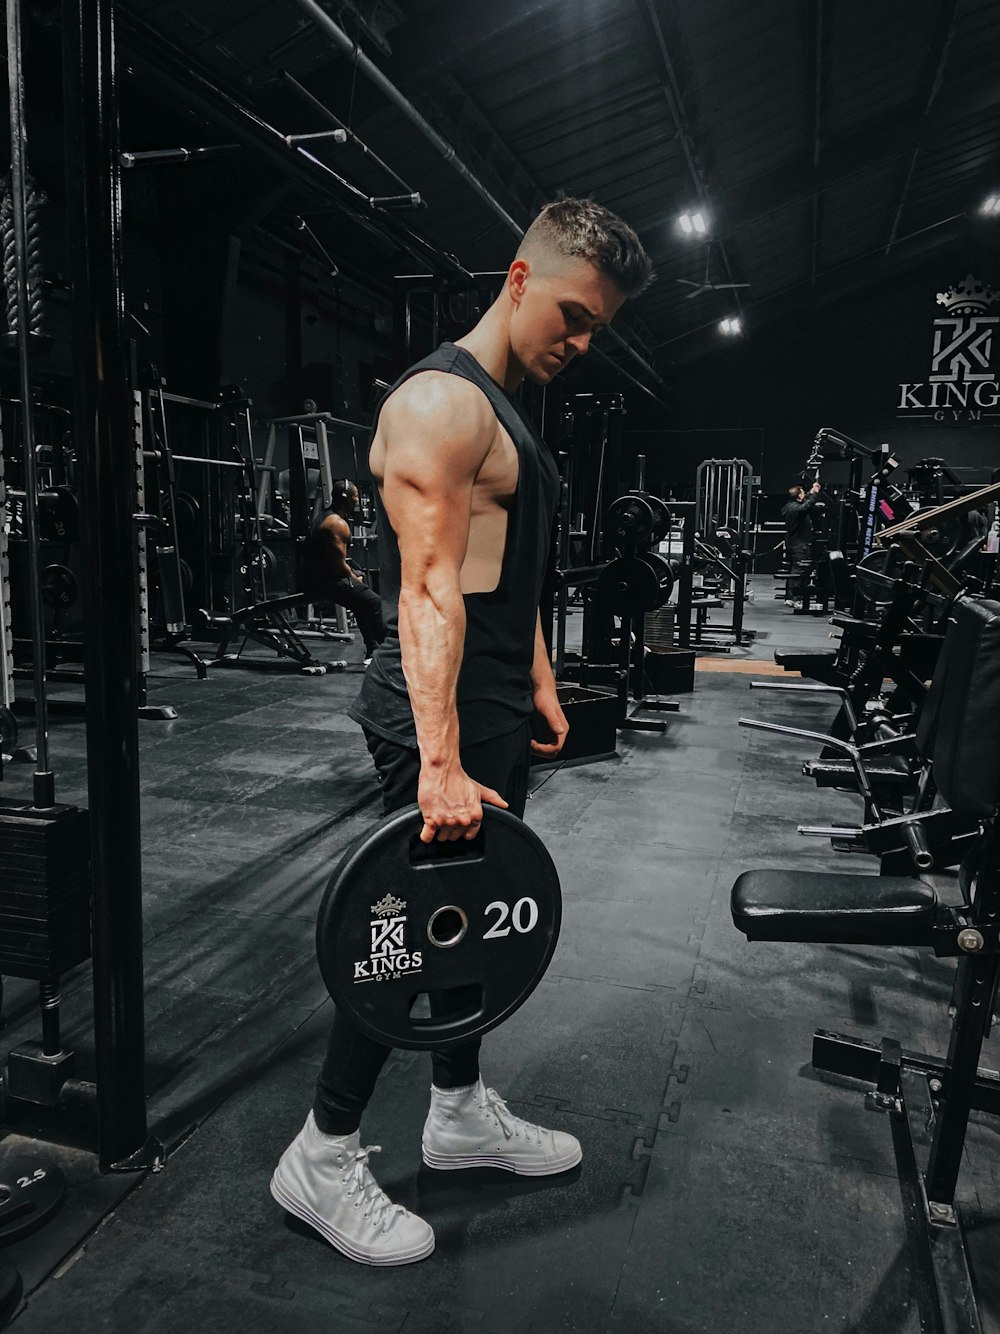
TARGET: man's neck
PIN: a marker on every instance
(489, 343)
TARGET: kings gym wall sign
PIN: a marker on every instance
(961, 381)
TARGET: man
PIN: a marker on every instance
(467, 494)
(799, 540)
(327, 576)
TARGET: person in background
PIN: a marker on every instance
(798, 514)
(327, 574)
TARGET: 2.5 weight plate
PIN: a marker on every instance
(31, 1190)
(471, 925)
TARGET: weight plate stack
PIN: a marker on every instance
(44, 890)
(471, 923)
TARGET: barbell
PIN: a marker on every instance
(430, 945)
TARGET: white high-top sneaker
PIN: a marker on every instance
(473, 1127)
(325, 1180)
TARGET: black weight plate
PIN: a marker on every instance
(59, 587)
(59, 515)
(664, 573)
(630, 585)
(31, 1190)
(878, 574)
(631, 519)
(662, 518)
(400, 919)
(945, 536)
(187, 513)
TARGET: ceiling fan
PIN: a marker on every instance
(706, 285)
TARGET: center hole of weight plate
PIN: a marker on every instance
(447, 926)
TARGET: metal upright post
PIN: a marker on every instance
(103, 408)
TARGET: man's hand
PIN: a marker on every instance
(553, 722)
(815, 488)
(452, 804)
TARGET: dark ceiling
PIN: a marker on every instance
(832, 144)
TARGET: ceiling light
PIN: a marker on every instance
(731, 325)
(991, 205)
(693, 224)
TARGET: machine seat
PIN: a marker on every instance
(792, 658)
(833, 909)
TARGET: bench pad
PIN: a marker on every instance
(831, 908)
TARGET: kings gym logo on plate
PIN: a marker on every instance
(389, 956)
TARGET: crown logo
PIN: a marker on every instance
(969, 297)
(388, 907)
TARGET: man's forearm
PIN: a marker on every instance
(431, 641)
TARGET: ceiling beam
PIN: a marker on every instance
(858, 274)
(441, 39)
(928, 89)
(875, 144)
(672, 78)
(817, 41)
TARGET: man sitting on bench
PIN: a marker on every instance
(327, 574)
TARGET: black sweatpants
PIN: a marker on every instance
(800, 564)
(354, 1061)
(366, 605)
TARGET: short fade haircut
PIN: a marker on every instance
(795, 486)
(583, 229)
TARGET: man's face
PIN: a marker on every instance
(557, 310)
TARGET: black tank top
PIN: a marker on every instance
(314, 562)
(494, 684)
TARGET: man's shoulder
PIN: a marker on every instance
(336, 523)
(439, 404)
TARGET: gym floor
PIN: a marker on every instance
(724, 1185)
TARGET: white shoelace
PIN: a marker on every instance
(373, 1198)
(513, 1126)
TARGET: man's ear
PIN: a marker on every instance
(517, 277)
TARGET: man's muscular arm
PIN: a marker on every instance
(437, 432)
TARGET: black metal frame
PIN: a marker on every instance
(103, 420)
(929, 1099)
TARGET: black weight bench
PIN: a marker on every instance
(929, 1099)
(831, 909)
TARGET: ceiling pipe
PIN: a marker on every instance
(163, 65)
(350, 48)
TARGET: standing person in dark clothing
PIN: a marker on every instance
(326, 574)
(799, 539)
(466, 498)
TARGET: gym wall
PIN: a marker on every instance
(763, 397)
